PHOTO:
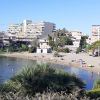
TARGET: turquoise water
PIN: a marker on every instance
(10, 66)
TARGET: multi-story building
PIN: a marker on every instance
(76, 37)
(43, 28)
(95, 33)
(31, 30)
(14, 29)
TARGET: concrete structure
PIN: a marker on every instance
(38, 50)
(43, 46)
(42, 29)
(27, 29)
(6, 40)
(2, 34)
(25, 26)
(76, 37)
(95, 36)
(14, 30)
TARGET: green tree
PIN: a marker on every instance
(95, 45)
(60, 38)
(64, 40)
(34, 45)
(83, 42)
(51, 41)
(60, 32)
(24, 47)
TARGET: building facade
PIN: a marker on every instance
(95, 33)
(29, 29)
(14, 29)
(76, 37)
(44, 46)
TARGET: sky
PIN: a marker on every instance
(69, 14)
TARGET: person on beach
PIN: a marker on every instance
(81, 63)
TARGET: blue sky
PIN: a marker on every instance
(71, 14)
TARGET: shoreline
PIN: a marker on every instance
(67, 59)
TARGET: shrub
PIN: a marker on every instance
(10, 49)
(97, 84)
(56, 54)
(66, 50)
(41, 78)
(45, 96)
(32, 49)
(78, 50)
(24, 47)
(94, 94)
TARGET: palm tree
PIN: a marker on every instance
(95, 45)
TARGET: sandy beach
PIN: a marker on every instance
(68, 59)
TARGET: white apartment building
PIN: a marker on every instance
(14, 29)
(95, 33)
(29, 29)
(76, 36)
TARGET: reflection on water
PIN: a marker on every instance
(87, 77)
(10, 66)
